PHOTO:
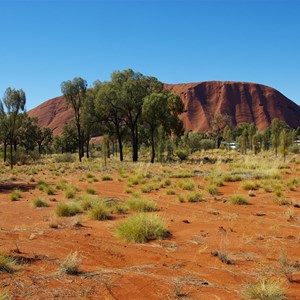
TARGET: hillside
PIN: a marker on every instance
(243, 102)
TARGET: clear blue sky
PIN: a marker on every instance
(46, 42)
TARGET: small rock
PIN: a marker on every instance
(186, 221)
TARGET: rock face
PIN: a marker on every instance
(53, 113)
(243, 102)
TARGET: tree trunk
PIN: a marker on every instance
(88, 148)
(5, 151)
(119, 136)
(108, 149)
(152, 146)
(40, 148)
(11, 154)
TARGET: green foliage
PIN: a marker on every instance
(250, 185)
(212, 189)
(141, 228)
(141, 205)
(15, 195)
(106, 178)
(238, 200)
(67, 210)
(90, 191)
(188, 185)
(264, 289)
(194, 197)
(182, 154)
(98, 212)
(38, 202)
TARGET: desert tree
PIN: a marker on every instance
(133, 88)
(74, 92)
(217, 123)
(284, 142)
(14, 104)
(162, 109)
(108, 109)
(227, 135)
(276, 127)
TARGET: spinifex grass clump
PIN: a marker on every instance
(264, 289)
(67, 210)
(141, 205)
(250, 185)
(238, 200)
(212, 189)
(7, 264)
(99, 212)
(15, 195)
(187, 184)
(194, 197)
(141, 228)
(38, 202)
(71, 264)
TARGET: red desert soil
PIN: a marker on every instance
(243, 102)
(180, 266)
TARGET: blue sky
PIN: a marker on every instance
(46, 42)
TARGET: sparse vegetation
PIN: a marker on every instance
(15, 195)
(38, 202)
(238, 200)
(264, 289)
(71, 264)
(141, 228)
(67, 209)
(141, 205)
(7, 264)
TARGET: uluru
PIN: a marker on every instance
(243, 102)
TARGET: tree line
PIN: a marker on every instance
(132, 109)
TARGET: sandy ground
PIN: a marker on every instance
(181, 266)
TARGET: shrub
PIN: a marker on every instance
(70, 192)
(106, 178)
(194, 197)
(181, 198)
(250, 185)
(141, 228)
(212, 189)
(147, 188)
(238, 200)
(71, 264)
(264, 289)
(15, 195)
(87, 202)
(7, 264)
(39, 203)
(90, 191)
(141, 205)
(98, 212)
(182, 154)
(62, 185)
(171, 192)
(188, 185)
(49, 190)
(42, 184)
(67, 210)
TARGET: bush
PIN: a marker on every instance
(39, 203)
(50, 190)
(194, 197)
(67, 210)
(141, 205)
(141, 228)
(90, 191)
(70, 192)
(264, 289)
(188, 185)
(147, 188)
(182, 154)
(250, 185)
(15, 195)
(71, 264)
(212, 189)
(238, 200)
(98, 212)
(171, 192)
(106, 178)
(7, 264)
